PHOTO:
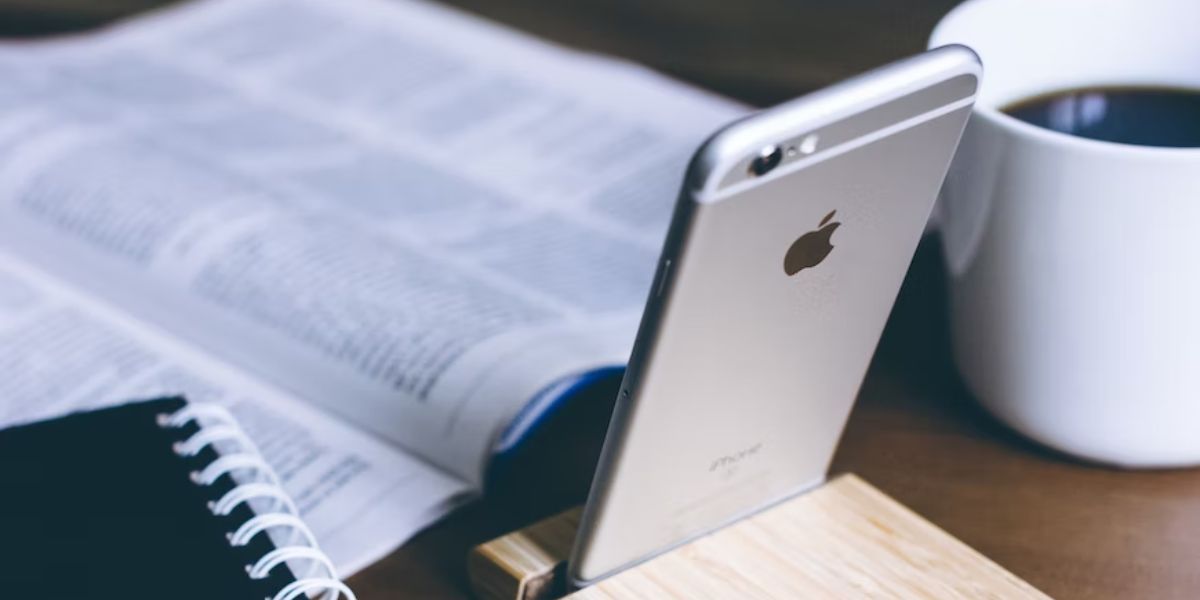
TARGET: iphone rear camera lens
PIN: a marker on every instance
(766, 160)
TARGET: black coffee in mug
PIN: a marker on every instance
(1144, 116)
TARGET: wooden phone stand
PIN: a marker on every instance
(845, 539)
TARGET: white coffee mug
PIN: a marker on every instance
(1074, 264)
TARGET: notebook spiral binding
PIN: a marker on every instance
(217, 425)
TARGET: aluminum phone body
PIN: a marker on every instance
(742, 376)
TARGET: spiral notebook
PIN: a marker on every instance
(150, 500)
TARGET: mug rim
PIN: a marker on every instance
(1050, 136)
(1059, 138)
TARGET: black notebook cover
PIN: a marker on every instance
(98, 505)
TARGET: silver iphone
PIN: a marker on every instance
(787, 248)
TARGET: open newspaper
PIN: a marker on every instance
(383, 233)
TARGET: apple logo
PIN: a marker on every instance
(811, 248)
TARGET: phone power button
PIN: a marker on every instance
(663, 274)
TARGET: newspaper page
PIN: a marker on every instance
(61, 352)
(405, 215)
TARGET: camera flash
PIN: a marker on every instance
(808, 145)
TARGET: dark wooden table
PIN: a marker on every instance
(1074, 530)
